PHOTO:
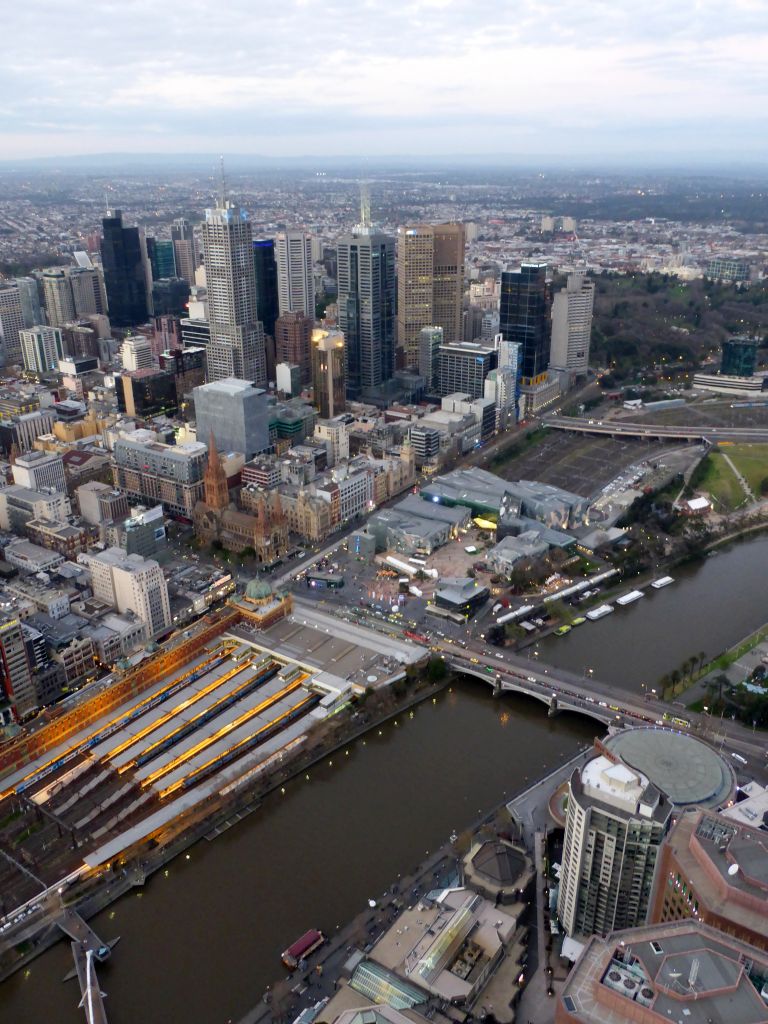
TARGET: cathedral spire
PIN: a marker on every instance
(215, 479)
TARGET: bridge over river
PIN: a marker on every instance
(561, 690)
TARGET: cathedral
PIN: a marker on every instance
(265, 530)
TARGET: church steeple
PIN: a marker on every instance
(215, 479)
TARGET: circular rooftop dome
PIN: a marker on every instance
(684, 768)
(258, 590)
(499, 862)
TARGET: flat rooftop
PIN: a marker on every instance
(683, 972)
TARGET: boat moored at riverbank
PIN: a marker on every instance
(600, 612)
(663, 581)
(302, 948)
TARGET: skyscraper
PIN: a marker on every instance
(572, 324)
(41, 349)
(328, 377)
(57, 293)
(430, 285)
(265, 267)
(615, 823)
(524, 316)
(29, 297)
(71, 293)
(236, 347)
(125, 272)
(16, 682)
(295, 283)
(87, 291)
(430, 341)
(366, 303)
(185, 257)
(162, 258)
(11, 322)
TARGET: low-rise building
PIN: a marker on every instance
(68, 540)
(29, 557)
(679, 971)
(461, 594)
(448, 948)
(20, 504)
(715, 870)
(510, 550)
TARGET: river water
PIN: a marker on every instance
(711, 605)
(201, 942)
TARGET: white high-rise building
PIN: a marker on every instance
(41, 348)
(130, 583)
(572, 324)
(295, 282)
(236, 347)
(615, 823)
(136, 353)
(501, 389)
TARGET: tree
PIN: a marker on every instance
(436, 670)
(764, 485)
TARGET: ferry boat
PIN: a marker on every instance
(630, 598)
(664, 581)
(302, 948)
(599, 613)
(562, 630)
(579, 621)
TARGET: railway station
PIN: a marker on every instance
(246, 694)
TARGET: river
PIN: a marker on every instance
(711, 605)
(202, 940)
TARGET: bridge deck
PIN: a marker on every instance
(92, 1000)
(79, 931)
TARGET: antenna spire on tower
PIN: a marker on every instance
(365, 204)
(223, 182)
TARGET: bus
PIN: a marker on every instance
(325, 580)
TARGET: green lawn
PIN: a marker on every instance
(721, 483)
(751, 460)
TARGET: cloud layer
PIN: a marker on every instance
(374, 77)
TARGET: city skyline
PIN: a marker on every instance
(659, 83)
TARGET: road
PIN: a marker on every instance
(591, 696)
(614, 428)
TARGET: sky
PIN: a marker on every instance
(683, 82)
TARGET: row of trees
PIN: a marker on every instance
(680, 678)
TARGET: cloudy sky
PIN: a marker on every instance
(610, 79)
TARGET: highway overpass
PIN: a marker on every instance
(654, 431)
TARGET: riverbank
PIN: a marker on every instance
(96, 894)
(286, 998)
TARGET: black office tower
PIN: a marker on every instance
(265, 265)
(366, 307)
(525, 317)
(124, 273)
